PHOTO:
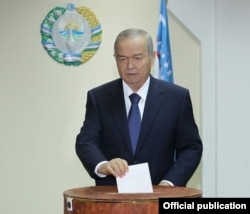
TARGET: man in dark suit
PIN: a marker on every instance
(168, 139)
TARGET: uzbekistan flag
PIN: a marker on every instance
(165, 70)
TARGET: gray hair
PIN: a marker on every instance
(132, 33)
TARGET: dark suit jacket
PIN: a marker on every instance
(169, 140)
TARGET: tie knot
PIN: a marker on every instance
(134, 98)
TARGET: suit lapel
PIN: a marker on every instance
(152, 108)
(117, 106)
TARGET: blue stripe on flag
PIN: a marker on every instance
(163, 45)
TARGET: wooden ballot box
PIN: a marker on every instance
(107, 200)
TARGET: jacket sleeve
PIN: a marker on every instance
(188, 145)
(87, 141)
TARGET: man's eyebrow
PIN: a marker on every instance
(134, 55)
(140, 54)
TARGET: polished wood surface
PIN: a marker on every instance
(107, 200)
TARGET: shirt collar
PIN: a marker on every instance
(142, 92)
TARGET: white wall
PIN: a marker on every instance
(223, 29)
(233, 99)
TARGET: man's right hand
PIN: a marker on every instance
(116, 167)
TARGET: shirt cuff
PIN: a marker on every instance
(168, 182)
(96, 169)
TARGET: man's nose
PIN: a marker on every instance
(130, 63)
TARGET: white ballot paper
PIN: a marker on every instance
(136, 180)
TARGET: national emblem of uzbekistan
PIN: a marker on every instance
(71, 35)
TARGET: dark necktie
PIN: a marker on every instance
(134, 119)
